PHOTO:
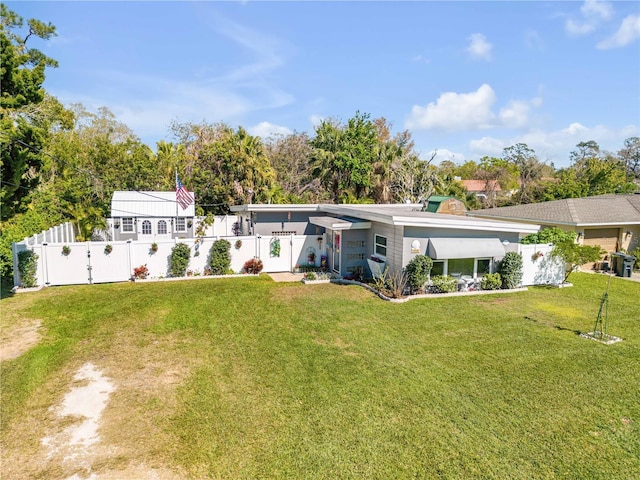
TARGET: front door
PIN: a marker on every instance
(335, 251)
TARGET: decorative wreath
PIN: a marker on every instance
(274, 247)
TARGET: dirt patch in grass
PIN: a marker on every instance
(17, 339)
(127, 438)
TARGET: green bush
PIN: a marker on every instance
(28, 266)
(219, 257)
(511, 270)
(636, 253)
(443, 284)
(549, 235)
(418, 270)
(310, 276)
(179, 261)
(491, 281)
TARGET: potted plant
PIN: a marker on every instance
(66, 250)
(154, 247)
(238, 244)
(312, 258)
(108, 249)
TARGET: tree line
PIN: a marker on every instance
(62, 162)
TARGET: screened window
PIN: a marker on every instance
(181, 225)
(127, 224)
(437, 269)
(460, 266)
(484, 266)
(380, 245)
(162, 227)
(146, 227)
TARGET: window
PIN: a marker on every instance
(127, 224)
(484, 266)
(461, 266)
(380, 245)
(162, 227)
(181, 226)
(438, 268)
(146, 227)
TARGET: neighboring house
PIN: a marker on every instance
(149, 216)
(485, 190)
(611, 221)
(350, 235)
(442, 204)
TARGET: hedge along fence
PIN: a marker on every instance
(88, 262)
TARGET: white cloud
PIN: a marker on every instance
(478, 47)
(266, 130)
(471, 111)
(593, 13)
(533, 40)
(515, 114)
(595, 8)
(487, 146)
(556, 145)
(628, 32)
(456, 111)
(443, 154)
(577, 29)
(316, 120)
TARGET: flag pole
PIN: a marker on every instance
(176, 199)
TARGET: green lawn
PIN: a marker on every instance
(247, 378)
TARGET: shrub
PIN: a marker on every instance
(179, 260)
(491, 281)
(443, 284)
(574, 255)
(253, 266)
(28, 266)
(636, 253)
(310, 276)
(549, 235)
(418, 270)
(511, 270)
(140, 272)
(219, 257)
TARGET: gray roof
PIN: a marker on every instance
(599, 210)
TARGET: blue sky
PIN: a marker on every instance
(466, 78)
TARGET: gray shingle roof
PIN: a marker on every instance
(602, 209)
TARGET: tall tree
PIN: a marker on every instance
(22, 75)
(630, 156)
(343, 156)
(231, 168)
(289, 156)
(529, 169)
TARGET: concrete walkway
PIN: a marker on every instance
(286, 277)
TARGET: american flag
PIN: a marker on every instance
(183, 196)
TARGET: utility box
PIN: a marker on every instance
(623, 264)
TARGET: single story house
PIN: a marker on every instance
(355, 238)
(149, 216)
(611, 221)
(483, 189)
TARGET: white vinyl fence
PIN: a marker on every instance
(89, 262)
(538, 266)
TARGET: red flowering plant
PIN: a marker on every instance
(140, 273)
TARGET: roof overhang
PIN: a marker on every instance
(334, 223)
(274, 207)
(451, 248)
